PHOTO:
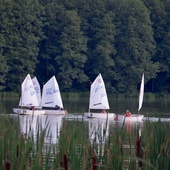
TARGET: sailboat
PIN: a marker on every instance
(28, 99)
(98, 99)
(51, 98)
(135, 117)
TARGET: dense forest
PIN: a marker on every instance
(75, 40)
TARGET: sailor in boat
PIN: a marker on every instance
(57, 107)
(103, 111)
(127, 114)
(32, 108)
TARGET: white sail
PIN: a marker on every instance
(141, 93)
(28, 93)
(98, 95)
(51, 94)
(37, 89)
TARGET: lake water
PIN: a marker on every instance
(152, 110)
(92, 130)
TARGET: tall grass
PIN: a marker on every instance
(156, 144)
(122, 149)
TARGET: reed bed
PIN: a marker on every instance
(146, 147)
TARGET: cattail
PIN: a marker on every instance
(7, 162)
(94, 163)
(65, 162)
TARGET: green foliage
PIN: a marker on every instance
(78, 39)
(72, 57)
(3, 72)
(156, 146)
(136, 45)
(21, 31)
(65, 47)
(160, 12)
(3, 62)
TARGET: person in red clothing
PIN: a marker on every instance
(128, 114)
(103, 111)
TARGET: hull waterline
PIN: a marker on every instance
(99, 115)
(28, 112)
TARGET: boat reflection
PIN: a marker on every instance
(38, 124)
(98, 134)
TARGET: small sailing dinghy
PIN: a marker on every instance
(98, 100)
(134, 117)
(51, 98)
(28, 100)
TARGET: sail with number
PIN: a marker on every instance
(98, 95)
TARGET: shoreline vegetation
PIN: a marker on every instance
(86, 95)
(74, 150)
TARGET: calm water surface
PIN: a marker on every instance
(157, 107)
(153, 110)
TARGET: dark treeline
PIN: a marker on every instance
(78, 39)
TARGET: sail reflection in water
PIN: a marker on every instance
(98, 134)
(36, 125)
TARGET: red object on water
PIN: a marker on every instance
(128, 114)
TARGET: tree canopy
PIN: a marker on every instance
(76, 40)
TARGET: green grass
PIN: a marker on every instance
(31, 152)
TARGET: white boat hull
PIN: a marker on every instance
(28, 112)
(133, 117)
(55, 112)
(100, 115)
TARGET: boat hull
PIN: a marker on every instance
(28, 112)
(55, 112)
(133, 117)
(100, 115)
